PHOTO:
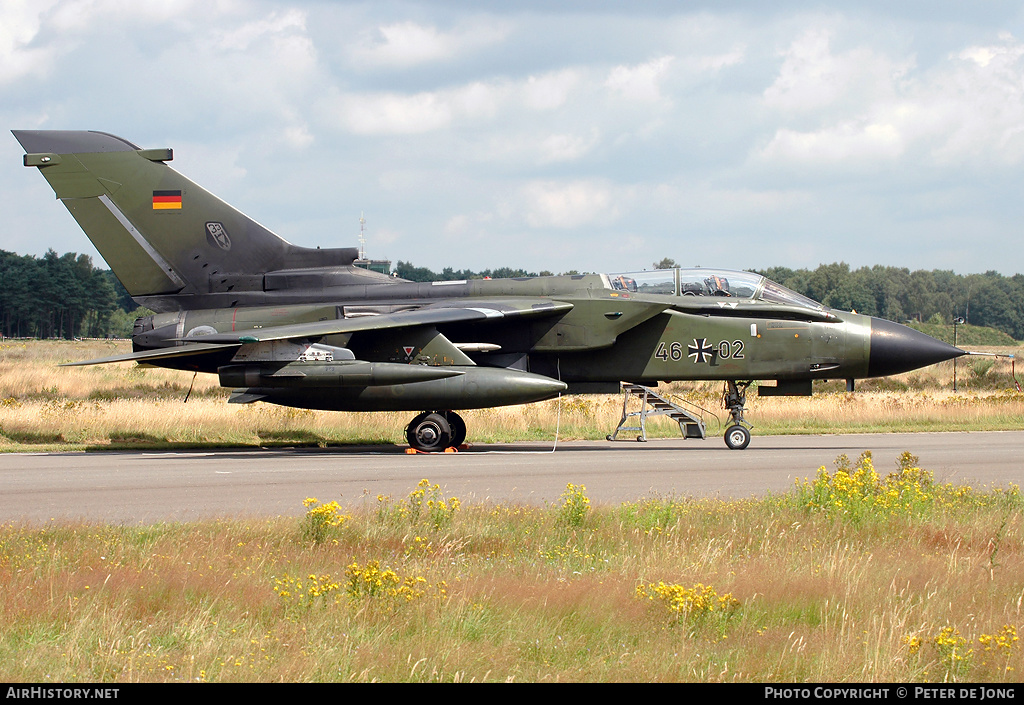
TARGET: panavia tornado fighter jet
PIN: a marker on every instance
(305, 327)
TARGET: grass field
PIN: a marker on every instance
(862, 574)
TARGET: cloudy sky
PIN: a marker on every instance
(589, 135)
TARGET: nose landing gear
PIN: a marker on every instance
(737, 435)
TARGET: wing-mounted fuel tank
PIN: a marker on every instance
(356, 385)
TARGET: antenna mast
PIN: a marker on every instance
(362, 236)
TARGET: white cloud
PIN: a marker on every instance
(812, 77)
(530, 148)
(549, 204)
(242, 73)
(566, 147)
(298, 136)
(641, 82)
(499, 102)
(975, 108)
(707, 202)
(844, 143)
(717, 62)
(272, 26)
(1003, 55)
(393, 113)
(551, 90)
(807, 76)
(405, 44)
(19, 27)
(81, 16)
(967, 108)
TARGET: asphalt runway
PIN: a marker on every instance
(149, 487)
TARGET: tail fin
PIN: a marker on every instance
(160, 233)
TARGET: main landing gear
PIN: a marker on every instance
(433, 431)
(737, 435)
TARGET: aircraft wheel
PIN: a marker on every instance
(737, 437)
(458, 427)
(429, 432)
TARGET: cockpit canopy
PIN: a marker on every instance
(747, 286)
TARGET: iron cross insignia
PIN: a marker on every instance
(700, 351)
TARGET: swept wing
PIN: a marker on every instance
(438, 314)
(460, 312)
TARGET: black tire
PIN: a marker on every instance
(429, 432)
(737, 437)
(458, 427)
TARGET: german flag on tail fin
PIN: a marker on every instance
(167, 200)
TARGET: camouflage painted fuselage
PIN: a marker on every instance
(305, 327)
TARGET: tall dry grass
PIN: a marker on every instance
(45, 405)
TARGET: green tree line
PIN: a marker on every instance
(991, 299)
(61, 296)
(65, 296)
(406, 270)
(938, 296)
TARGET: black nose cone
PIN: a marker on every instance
(896, 348)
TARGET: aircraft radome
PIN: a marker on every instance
(306, 327)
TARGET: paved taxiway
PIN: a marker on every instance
(146, 487)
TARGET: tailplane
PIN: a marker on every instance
(162, 234)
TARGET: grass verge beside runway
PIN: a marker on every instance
(47, 407)
(859, 575)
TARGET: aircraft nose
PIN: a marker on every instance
(896, 348)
